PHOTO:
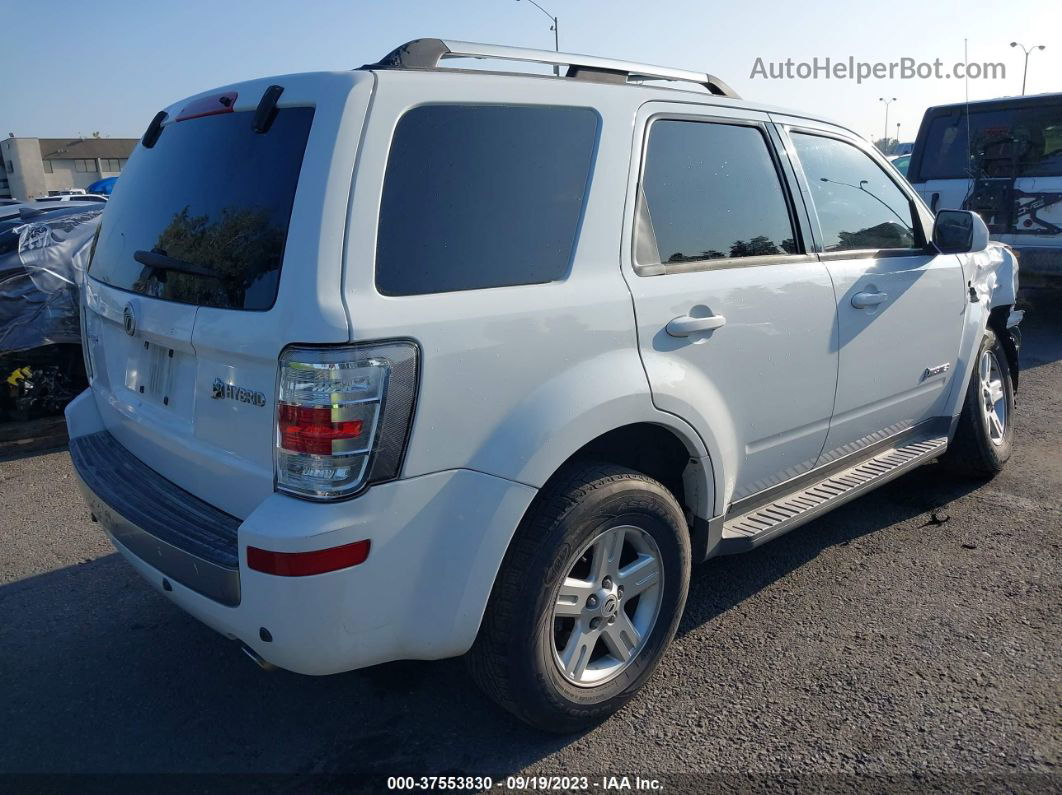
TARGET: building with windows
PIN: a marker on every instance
(33, 167)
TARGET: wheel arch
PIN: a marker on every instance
(588, 408)
(997, 321)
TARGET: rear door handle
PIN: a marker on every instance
(865, 300)
(686, 325)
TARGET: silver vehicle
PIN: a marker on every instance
(413, 362)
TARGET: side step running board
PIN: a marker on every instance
(746, 531)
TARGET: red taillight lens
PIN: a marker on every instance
(310, 429)
(303, 564)
(343, 414)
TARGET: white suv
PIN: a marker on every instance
(409, 362)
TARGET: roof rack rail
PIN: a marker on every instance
(428, 53)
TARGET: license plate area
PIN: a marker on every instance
(149, 373)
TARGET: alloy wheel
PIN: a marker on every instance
(993, 397)
(607, 605)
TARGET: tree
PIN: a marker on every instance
(886, 145)
(237, 246)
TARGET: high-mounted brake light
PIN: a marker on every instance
(343, 415)
(304, 564)
(209, 106)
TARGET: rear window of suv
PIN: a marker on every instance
(480, 196)
(202, 217)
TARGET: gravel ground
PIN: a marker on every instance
(911, 637)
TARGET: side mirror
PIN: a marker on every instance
(959, 232)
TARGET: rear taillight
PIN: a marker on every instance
(343, 415)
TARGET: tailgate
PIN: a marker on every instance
(221, 245)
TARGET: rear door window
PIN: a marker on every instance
(479, 196)
(710, 191)
(859, 205)
(202, 217)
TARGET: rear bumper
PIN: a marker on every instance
(183, 537)
(437, 543)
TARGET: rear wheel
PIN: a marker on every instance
(984, 437)
(588, 598)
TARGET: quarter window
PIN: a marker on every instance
(710, 191)
(858, 205)
(480, 196)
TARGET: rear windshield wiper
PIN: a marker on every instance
(156, 260)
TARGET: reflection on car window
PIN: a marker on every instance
(710, 191)
(858, 205)
(210, 204)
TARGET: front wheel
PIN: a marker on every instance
(984, 437)
(588, 598)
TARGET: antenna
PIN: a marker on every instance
(969, 145)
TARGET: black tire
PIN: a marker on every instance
(974, 453)
(513, 659)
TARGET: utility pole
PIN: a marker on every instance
(555, 27)
(887, 102)
(1025, 72)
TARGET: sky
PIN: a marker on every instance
(110, 66)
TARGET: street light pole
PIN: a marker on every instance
(1025, 72)
(887, 102)
(555, 27)
(897, 137)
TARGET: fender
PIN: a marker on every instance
(997, 274)
(577, 405)
(992, 282)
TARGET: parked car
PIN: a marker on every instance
(501, 392)
(72, 197)
(43, 253)
(1001, 158)
(901, 163)
(12, 209)
(68, 192)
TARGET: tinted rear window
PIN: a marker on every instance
(1004, 142)
(482, 196)
(208, 209)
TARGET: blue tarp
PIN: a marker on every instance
(102, 186)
